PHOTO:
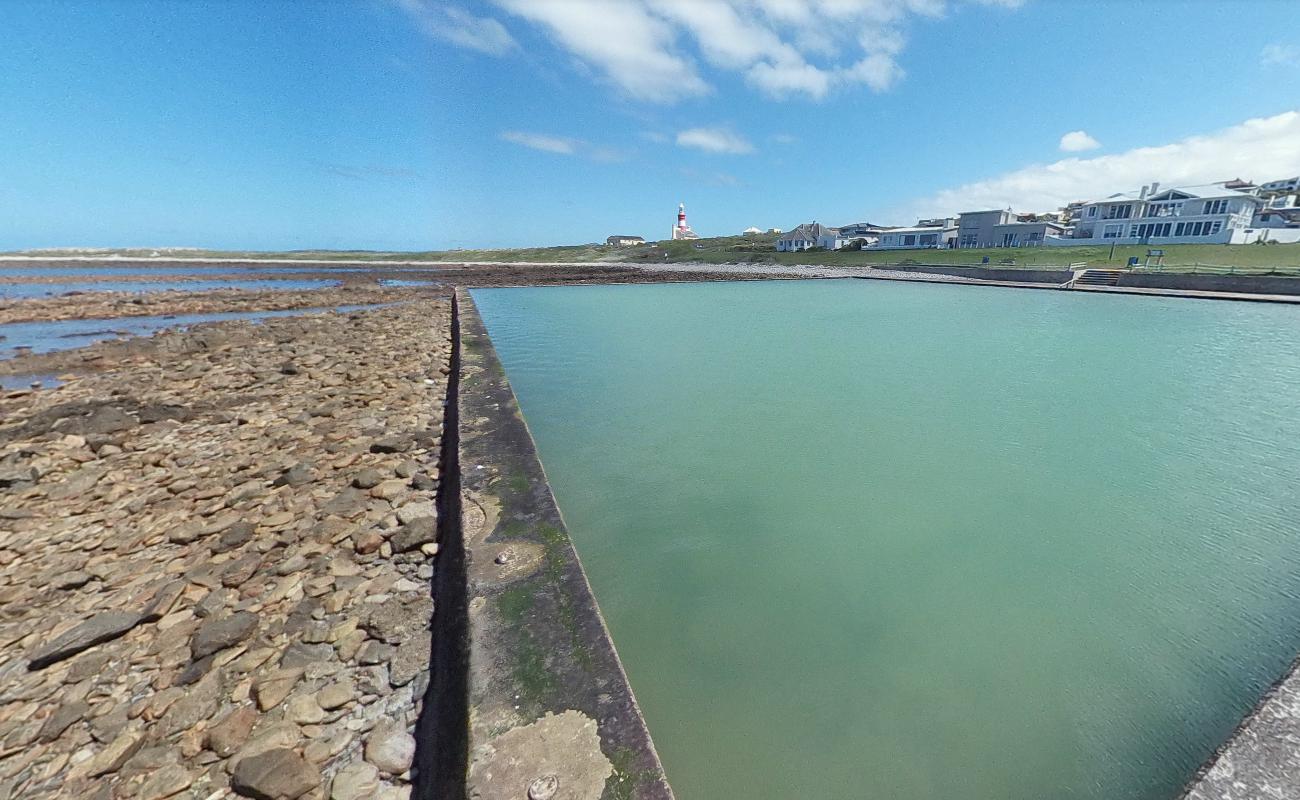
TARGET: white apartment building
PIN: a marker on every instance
(919, 237)
(1209, 214)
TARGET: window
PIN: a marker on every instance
(909, 239)
(929, 239)
(1092, 211)
(1214, 228)
(1113, 232)
(1179, 230)
(1118, 212)
(969, 239)
(1215, 207)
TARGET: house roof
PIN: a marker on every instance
(808, 231)
(624, 237)
(1202, 192)
(922, 229)
(1056, 225)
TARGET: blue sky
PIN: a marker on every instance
(423, 124)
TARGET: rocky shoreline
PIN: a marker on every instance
(216, 556)
(110, 305)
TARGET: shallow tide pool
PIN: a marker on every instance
(877, 539)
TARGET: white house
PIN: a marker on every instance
(919, 237)
(750, 232)
(808, 236)
(1209, 214)
(624, 241)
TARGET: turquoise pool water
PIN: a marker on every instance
(875, 539)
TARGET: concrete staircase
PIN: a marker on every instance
(1097, 277)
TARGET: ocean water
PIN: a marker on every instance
(69, 334)
(875, 539)
(17, 291)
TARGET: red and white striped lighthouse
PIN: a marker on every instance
(683, 231)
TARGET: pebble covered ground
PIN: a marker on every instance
(216, 561)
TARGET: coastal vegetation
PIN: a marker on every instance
(1280, 259)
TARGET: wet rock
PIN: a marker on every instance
(103, 627)
(390, 748)
(279, 774)
(218, 634)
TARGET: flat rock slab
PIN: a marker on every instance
(103, 627)
(279, 774)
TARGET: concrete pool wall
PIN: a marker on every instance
(549, 709)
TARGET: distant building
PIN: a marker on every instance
(1025, 234)
(624, 241)
(975, 228)
(861, 230)
(775, 230)
(806, 237)
(921, 237)
(1206, 214)
(750, 232)
(681, 230)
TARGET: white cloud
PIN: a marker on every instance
(715, 140)
(654, 49)
(635, 50)
(784, 138)
(459, 27)
(1078, 141)
(564, 146)
(1258, 149)
(1280, 55)
(540, 141)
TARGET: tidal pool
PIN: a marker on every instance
(876, 539)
